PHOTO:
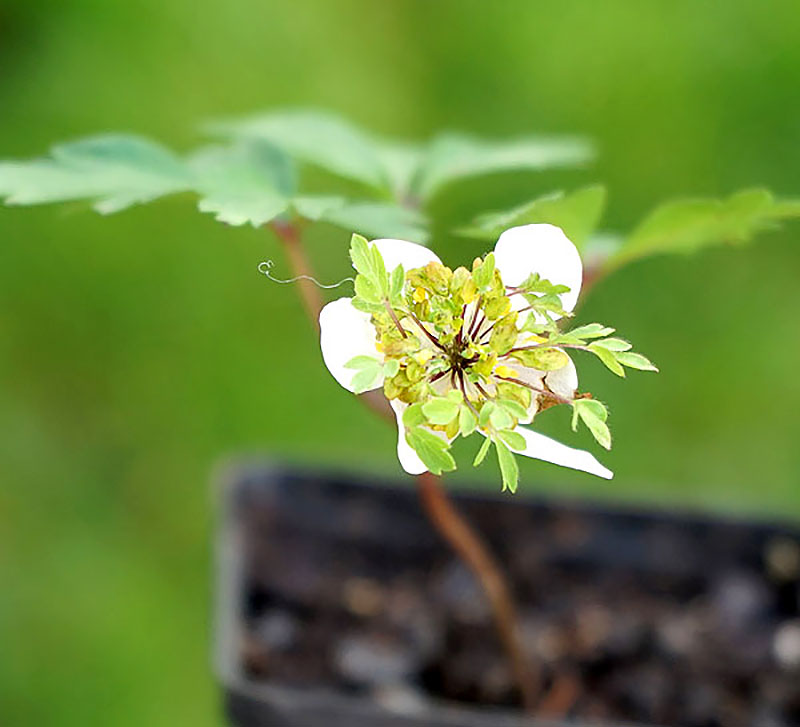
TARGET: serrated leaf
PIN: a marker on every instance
(380, 271)
(397, 282)
(318, 138)
(367, 291)
(454, 157)
(361, 257)
(608, 358)
(577, 214)
(483, 275)
(482, 452)
(688, 225)
(244, 183)
(366, 307)
(432, 450)
(509, 468)
(114, 171)
(636, 361)
(315, 207)
(440, 410)
(380, 219)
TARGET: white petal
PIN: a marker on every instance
(344, 334)
(542, 249)
(408, 254)
(563, 381)
(409, 460)
(540, 447)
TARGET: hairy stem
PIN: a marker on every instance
(446, 519)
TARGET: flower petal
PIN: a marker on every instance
(563, 381)
(344, 334)
(542, 249)
(540, 447)
(401, 252)
(409, 460)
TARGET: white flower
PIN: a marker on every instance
(347, 332)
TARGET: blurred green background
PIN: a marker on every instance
(137, 350)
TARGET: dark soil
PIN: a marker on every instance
(645, 617)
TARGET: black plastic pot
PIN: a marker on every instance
(693, 618)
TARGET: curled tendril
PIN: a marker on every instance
(265, 267)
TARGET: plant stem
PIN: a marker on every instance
(446, 519)
(395, 319)
(289, 235)
(469, 546)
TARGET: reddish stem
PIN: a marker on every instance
(469, 546)
(289, 235)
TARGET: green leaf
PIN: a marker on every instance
(321, 139)
(114, 171)
(361, 257)
(401, 161)
(440, 410)
(486, 413)
(508, 466)
(483, 276)
(504, 334)
(500, 418)
(367, 291)
(482, 452)
(397, 282)
(390, 368)
(594, 414)
(577, 214)
(245, 183)
(413, 416)
(513, 439)
(315, 207)
(613, 344)
(636, 361)
(369, 373)
(467, 421)
(380, 271)
(454, 157)
(543, 359)
(591, 330)
(380, 219)
(515, 409)
(689, 225)
(432, 450)
(608, 358)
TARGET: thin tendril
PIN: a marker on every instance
(265, 267)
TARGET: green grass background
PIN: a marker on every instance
(137, 350)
